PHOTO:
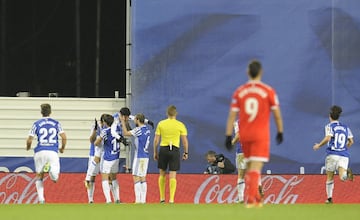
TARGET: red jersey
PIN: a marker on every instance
(254, 101)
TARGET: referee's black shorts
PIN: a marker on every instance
(169, 157)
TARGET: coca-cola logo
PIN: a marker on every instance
(211, 190)
(18, 188)
(285, 193)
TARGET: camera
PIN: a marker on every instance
(219, 158)
(211, 169)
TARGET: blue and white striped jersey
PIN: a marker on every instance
(92, 146)
(47, 131)
(340, 133)
(111, 146)
(142, 141)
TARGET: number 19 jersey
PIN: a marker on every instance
(254, 101)
(340, 134)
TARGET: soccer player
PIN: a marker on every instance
(141, 155)
(116, 129)
(338, 138)
(46, 156)
(169, 131)
(95, 156)
(110, 166)
(125, 111)
(252, 103)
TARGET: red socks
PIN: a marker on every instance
(251, 186)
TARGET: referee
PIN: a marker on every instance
(170, 131)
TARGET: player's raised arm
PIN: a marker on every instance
(98, 141)
(125, 130)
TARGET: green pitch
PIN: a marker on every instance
(178, 212)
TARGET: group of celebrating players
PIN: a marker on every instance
(105, 139)
(250, 109)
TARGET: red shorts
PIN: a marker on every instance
(256, 150)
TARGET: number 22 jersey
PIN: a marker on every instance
(46, 130)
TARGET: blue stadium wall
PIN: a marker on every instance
(193, 54)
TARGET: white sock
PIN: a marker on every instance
(90, 191)
(329, 188)
(40, 190)
(241, 188)
(106, 190)
(115, 189)
(137, 190)
(54, 176)
(143, 192)
(90, 170)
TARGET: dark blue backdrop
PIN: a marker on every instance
(193, 54)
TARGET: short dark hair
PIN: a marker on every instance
(102, 118)
(254, 68)
(45, 109)
(108, 119)
(211, 153)
(125, 111)
(335, 112)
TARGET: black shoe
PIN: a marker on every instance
(162, 201)
(329, 201)
(350, 175)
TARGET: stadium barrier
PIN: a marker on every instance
(19, 188)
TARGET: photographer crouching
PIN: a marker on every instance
(218, 164)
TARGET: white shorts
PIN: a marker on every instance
(140, 167)
(111, 166)
(97, 167)
(333, 162)
(98, 151)
(47, 156)
(240, 161)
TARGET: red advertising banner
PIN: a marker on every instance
(191, 188)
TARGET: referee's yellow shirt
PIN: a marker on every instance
(170, 131)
